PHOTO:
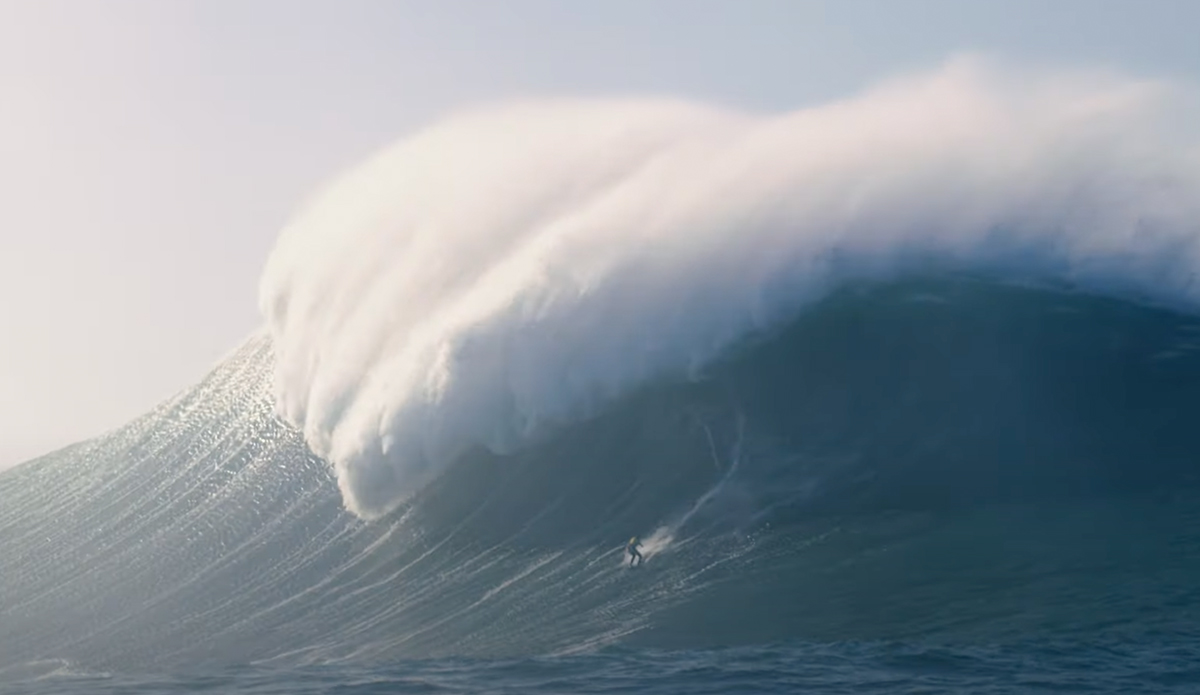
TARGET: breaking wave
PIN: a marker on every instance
(918, 365)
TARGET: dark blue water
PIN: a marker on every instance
(1101, 667)
(942, 485)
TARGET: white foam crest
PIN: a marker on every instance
(514, 269)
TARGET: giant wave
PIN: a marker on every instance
(917, 365)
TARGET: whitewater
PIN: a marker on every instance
(899, 392)
(513, 270)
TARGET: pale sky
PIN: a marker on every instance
(151, 150)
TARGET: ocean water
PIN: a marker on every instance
(204, 547)
(823, 668)
(919, 433)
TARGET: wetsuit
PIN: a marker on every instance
(632, 549)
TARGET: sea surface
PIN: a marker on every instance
(824, 668)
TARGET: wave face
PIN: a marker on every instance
(943, 458)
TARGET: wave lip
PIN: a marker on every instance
(513, 270)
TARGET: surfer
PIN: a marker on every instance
(632, 548)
